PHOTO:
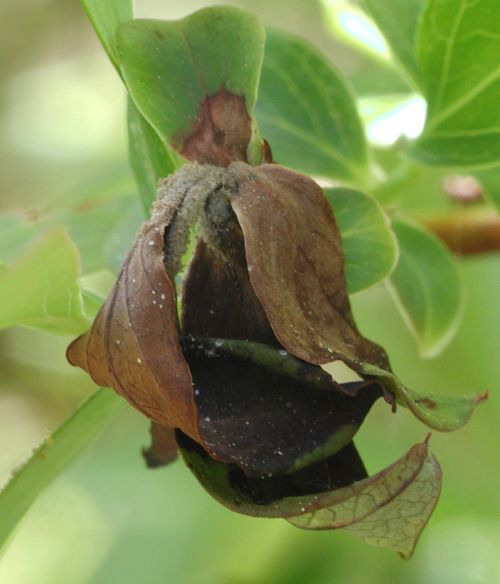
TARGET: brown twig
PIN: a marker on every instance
(467, 232)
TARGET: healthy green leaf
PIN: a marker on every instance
(171, 68)
(459, 53)
(48, 461)
(105, 16)
(308, 113)
(427, 287)
(490, 180)
(370, 246)
(389, 509)
(399, 26)
(149, 157)
(41, 288)
(440, 412)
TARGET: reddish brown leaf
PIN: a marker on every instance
(222, 132)
(163, 448)
(133, 345)
(296, 265)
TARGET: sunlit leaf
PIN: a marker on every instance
(195, 80)
(399, 26)
(387, 510)
(370, 247)
(50, 459)
(308, 113)
(427, 287)
(440, 412)
(459, 55)
(40, 288)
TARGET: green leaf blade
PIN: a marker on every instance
(459, 56)
(308, 113)
(41, 287)
(399, 28)
(444, 413)
(170, 68)
(48, 461)
(106, 16)
(370, 246)
(427, 287)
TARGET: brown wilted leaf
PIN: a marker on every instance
(296, 265)
(133, 345)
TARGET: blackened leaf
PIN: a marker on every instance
(265, 421)
(163, 448)
(133, 344)
(440, 412)
(389, 509)
(276, 496)
(296, 265)
(195, 81)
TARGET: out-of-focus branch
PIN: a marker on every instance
(467, 232)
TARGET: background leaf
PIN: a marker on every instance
(48, 461)
(427, 287)
(370, 246)
(307, 112)
(459, 55)
(399, 26)
(41, 288)
(490, 180)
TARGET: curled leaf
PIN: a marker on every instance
(439, 412)
(389, 509)
(270, 422)
(296, 265)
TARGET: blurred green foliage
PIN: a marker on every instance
(60, 125)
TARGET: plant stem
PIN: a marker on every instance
(467, 232)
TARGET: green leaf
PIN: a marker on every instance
(459, 54)
(440, 412)
(41, 288)
(370, 246)
(399, 26)
(106, 16)
(16, 233)
(149, 157)
(50, 459)
(308, 113)
(171, 68)
(490, 180)
(427, 287)
(387, 510)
